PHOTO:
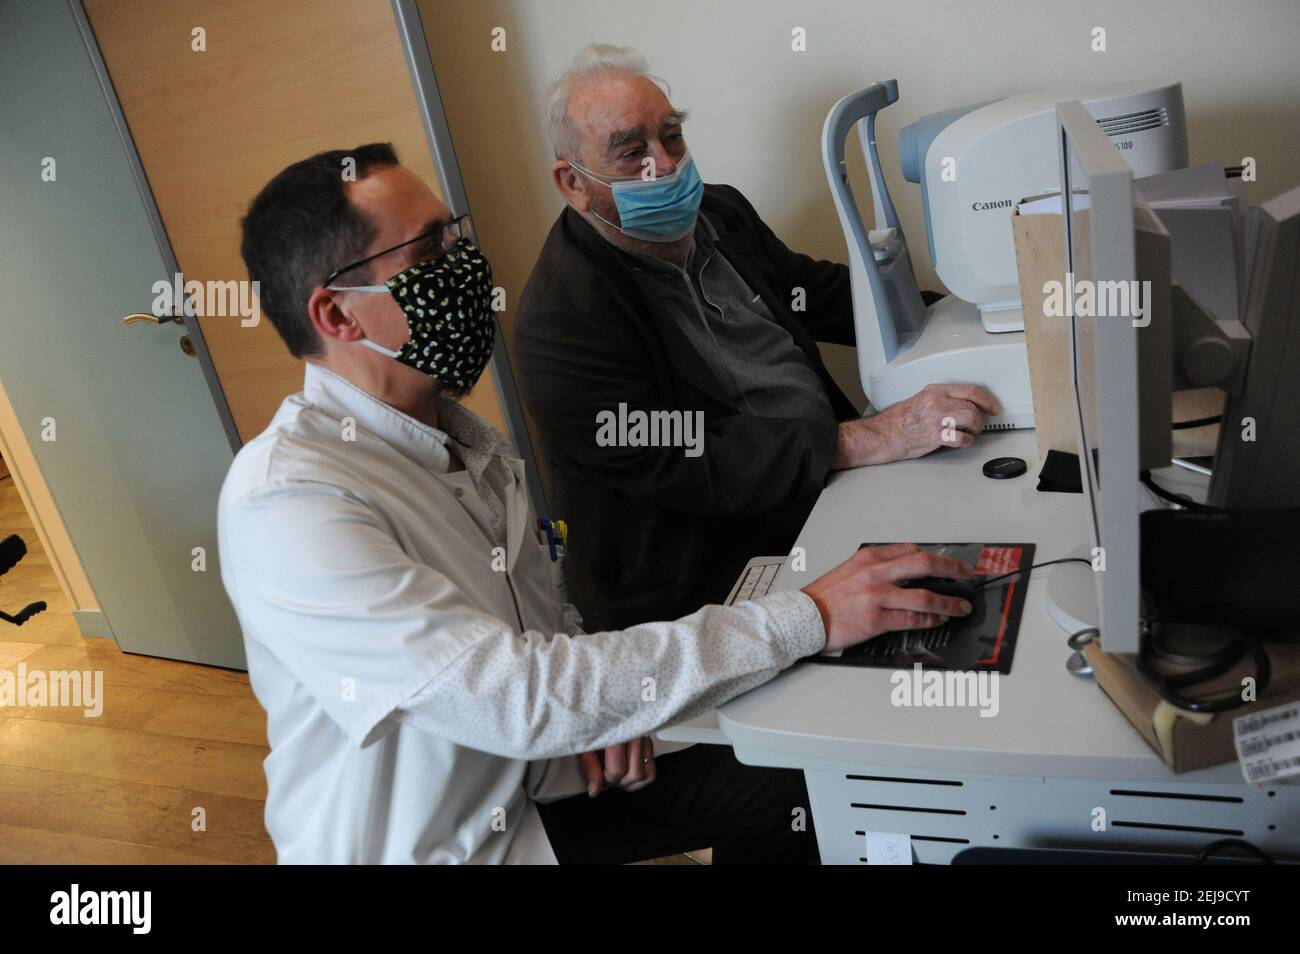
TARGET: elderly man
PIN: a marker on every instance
(427, 694)
(654, 292)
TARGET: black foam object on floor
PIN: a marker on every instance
(24, 614)
(12, 549)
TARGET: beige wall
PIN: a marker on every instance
(757, 107)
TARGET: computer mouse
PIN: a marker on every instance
(962, 589)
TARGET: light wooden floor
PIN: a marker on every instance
(122, 788)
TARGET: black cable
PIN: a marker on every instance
(1204, 855)
(1168, 686)
(1185, 502)
(1221, 662)
(1026, 569)
(1199, 422)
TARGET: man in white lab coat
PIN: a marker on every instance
(426, 687)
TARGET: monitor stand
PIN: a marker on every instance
(1072, 593)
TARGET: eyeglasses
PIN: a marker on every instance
(447, 235)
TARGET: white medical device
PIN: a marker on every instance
(1001, 152)
(974, 163)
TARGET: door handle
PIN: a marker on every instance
(155, 319)
(187, 346)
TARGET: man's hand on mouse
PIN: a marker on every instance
(861, 598)
(940, 415)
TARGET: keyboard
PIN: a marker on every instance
(755, 579)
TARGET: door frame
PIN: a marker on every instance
(437, 130)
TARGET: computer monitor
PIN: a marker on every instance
(1257, 461)
(1117, 302)
(1122, 313)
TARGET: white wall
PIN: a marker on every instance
(757, 107)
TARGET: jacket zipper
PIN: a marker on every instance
(709, 331)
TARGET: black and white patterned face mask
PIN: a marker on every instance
(448, 306)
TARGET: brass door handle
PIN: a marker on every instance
(154, 319)
(187, 346)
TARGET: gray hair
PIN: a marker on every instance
(598, 59)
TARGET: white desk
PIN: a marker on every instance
(1030, 776)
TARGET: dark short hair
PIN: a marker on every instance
(301, 227)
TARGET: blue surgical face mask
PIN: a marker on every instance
(662, 209)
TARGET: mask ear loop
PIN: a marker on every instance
(371, 290)
(375, 346)
(592, 176)
(584, 171)
(686, 160)
(632, 182)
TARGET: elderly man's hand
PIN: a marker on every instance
(629, 765)
(941, 415)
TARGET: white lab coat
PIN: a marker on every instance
(419, 698)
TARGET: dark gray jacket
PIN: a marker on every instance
(655, 534)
